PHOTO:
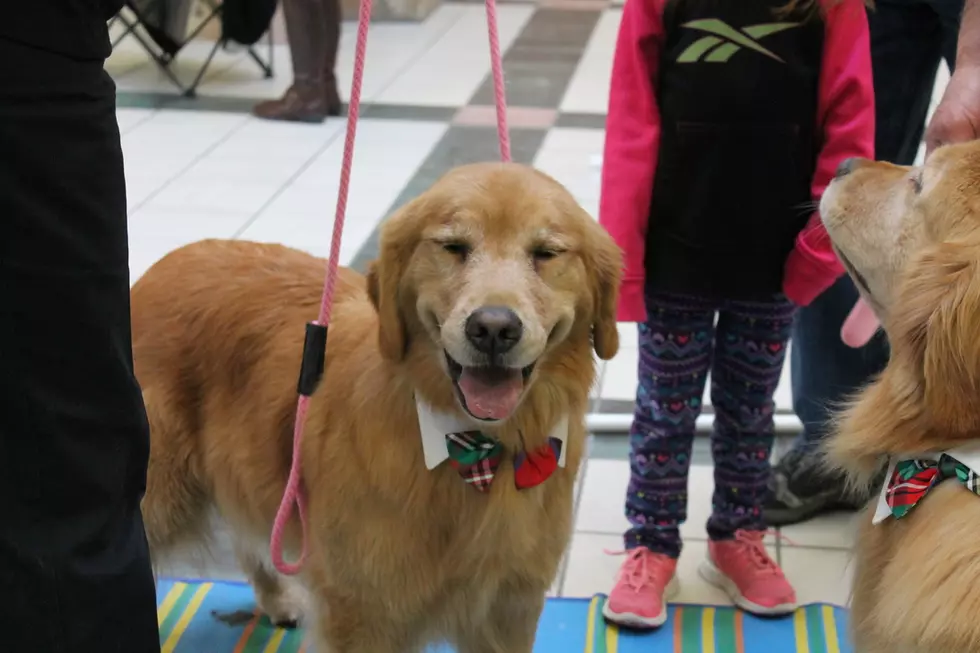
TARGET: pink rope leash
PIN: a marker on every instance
(293, 496)
(499, 92)
(316, 333)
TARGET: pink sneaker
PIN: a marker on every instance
(743, 569)
(645, 582)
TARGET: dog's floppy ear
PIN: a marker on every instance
(399, 236)
(606, 267)
(934, 334)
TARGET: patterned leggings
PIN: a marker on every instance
(678, 344)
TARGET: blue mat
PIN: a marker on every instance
(219, 617)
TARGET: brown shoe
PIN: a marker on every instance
(300, 103)
(332, 97)
(313, 29)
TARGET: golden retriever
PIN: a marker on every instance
(489, 295)
(910, 238)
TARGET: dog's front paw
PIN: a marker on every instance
(284, 608)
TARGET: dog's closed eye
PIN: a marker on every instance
(457, 248)
(545, 253)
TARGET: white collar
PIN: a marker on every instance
(969, 455)
(435, 426)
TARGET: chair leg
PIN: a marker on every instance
(162, 61)
(272, 50)
(192, 89)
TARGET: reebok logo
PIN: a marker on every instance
(723, 40)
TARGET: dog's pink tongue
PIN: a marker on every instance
(860, 325)
(491, 394)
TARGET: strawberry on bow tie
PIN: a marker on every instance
(535, 467)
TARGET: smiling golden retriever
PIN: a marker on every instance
(910, 237)
(489, 295)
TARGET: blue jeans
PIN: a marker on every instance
(909, 39)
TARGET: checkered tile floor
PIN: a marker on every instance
(204, 168)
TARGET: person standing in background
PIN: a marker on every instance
(725, 118)
(313, 30)
(909, 40)
(75, 572)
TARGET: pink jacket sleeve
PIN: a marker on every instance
(846, 117)
(632, 142)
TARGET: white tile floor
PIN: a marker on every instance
(192, 175)
(589, 89)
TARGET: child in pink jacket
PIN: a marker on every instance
(727, 119)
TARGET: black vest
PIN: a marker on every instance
(738, 94)
(76, 28)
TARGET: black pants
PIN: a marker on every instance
(909, 39)
(74, 565)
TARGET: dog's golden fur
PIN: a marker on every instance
(911, 238)
(399, 555)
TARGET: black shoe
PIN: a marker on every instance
(800, 489)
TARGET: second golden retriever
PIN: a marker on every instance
(910, 237)
(479, 318)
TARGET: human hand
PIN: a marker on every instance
(957, 118)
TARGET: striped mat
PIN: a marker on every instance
(219, 617)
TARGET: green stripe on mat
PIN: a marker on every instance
(176, 612)
(185, 619)
(274, 643)
(814, 628)
(599, 627)
(830, 629)
(293, 642)
(266, 638)
(257, 640)
(166, 604)
(725, 631)
(691, 629)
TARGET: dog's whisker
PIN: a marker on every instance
(805, 208)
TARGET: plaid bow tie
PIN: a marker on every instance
(477, 456)
(912, 479)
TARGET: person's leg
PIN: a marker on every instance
(332, 24)
(675, 354)
(906, 38)
(825, 373)
(74, 443)
(750, 347)
(313, 30)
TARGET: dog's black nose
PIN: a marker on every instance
(494, 330)
(845, 167)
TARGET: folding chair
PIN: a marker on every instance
(163, 48)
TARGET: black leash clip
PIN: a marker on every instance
(314, 353)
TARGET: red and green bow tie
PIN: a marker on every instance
(477, 456)
(912, 479)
